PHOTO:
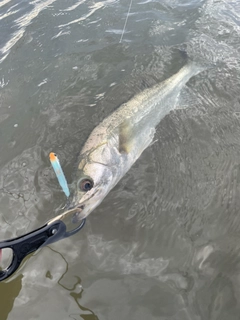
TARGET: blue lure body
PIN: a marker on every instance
(59, 173)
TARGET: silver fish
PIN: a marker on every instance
(119, 140)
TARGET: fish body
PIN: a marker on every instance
(119, 140)
(59, 173)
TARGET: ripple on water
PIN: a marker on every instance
(164, 243)
(22, 20)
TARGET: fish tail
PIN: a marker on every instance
(196, 67)
(198, 64)
(191, 68)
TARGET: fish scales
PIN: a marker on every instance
(119, 140)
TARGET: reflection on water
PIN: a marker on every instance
(76, 292)
(8, 292)
(164, 244)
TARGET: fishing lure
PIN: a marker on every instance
(59, 173)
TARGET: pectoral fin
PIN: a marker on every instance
(125, 137)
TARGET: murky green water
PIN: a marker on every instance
(165, 243)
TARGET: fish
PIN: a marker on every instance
(119, 140)
(59, 173)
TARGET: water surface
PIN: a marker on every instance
(164, 244)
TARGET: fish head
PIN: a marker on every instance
(94, 179)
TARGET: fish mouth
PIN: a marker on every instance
(75, 212)
(76, 207)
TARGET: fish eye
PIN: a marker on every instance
(85, 185)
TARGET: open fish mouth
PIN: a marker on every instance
(74, 212)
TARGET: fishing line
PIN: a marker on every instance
(124, 27)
